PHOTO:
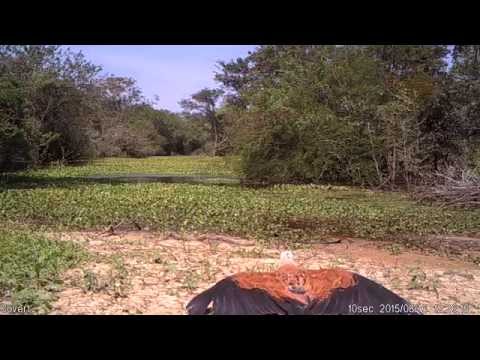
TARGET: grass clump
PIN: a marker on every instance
(30, 268)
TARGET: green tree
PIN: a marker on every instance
(43, 99)
(203, 106)
(357, 114)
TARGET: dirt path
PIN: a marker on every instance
(153, 273)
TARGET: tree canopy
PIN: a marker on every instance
(364, 114)
(56, 106)
(357, 114)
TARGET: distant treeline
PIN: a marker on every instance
(355, 114)
(55, 106)
(366, 115)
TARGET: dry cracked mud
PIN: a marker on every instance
(139, 272)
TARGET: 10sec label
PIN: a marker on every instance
(409, 309)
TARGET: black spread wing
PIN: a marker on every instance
(366, 297)
(227, 298)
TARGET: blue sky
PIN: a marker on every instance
(173, 72)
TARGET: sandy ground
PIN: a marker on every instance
(138, 272)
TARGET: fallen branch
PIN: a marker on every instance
(457, 190)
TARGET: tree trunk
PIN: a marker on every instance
(374, 157)
(215, 136)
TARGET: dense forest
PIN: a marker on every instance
(364, 115)
(354, 114)
(55, 106)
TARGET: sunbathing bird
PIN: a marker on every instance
(292, 290)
